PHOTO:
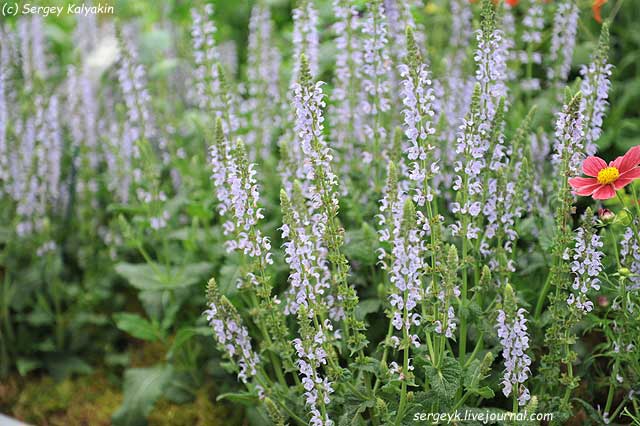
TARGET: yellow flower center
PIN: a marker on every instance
(608, 175)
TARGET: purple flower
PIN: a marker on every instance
(206, 57)
(263, 67)
(417, 98)
(238, 196)
(5, 66)
(376, 70)
(311, 358)
(133, 83)
(563, 41)
(305, 38)
(346, 117)
(586, 265)
(407, 268)
(82, 112)
(595, 92)
(630, 257)
(533, 24)
(491, 70)
(231, 334)
(307, 259)
(32, 50)
(514, 338)
(569, 140)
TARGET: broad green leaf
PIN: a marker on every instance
(185, 334)
(142, 387)
(445, 379)
(477, 371)
(137, 326)
(147, 277)
(358, 245)
(26, 365)
(366, 307)
(182, 388)
(61, 366)
(141, 276)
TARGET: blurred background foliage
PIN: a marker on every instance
(622, 123)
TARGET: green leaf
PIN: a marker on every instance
(185, 334)
(485, 392)
(26, 365)
(149, 277)
(228, 278)
(182, 388)
(245, 398)
(61, 366)
(5, 234)
(477, 371)
(142, 387)
(141, 276)
(137, 326)
(445, 379)
(366, 307)
(369, 364)
(358, 245)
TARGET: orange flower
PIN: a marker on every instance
(597, 5)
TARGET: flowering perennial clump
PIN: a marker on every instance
(395, 199)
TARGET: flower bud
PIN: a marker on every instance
(606, 215)
(624, 272)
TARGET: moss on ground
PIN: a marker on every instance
(87, 400)
(91, 400)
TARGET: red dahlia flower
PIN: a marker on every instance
(604, 180)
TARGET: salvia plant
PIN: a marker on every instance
(402, 210)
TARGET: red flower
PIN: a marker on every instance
(605, 179)
(597, 5)
(512, 3)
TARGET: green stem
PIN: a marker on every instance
(385, 352)
(463, 319)
(543, 295)
(475, 350)
(461, 401)
(405, 362)
(567, 392)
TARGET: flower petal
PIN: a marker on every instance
(616, 163)
(630, 160)
(621, 183)
(579, 182)
(587, 189)
(592, 165)
(630, 174)
(604, 192)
